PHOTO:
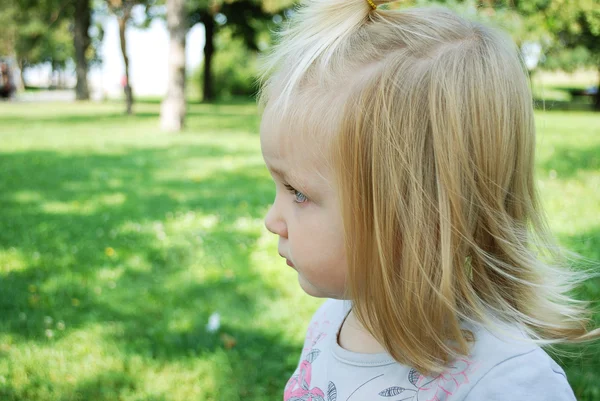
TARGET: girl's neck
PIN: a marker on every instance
(355, 338)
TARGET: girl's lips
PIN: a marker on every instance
(289, 263)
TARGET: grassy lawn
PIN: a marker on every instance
(118, 242)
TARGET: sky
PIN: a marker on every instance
(148, 51)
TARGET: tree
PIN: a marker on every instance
(247, 18)
(172, 113)
(81, 42)
(123, 9)
(39, 31)
(575, 25)
(8, 27)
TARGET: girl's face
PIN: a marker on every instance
(305, 214)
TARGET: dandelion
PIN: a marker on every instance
(33, 300)
(110, 252)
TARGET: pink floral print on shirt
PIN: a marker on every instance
(315, 333)
(446, 384)
(298, 387)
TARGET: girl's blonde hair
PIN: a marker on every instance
(430, 132)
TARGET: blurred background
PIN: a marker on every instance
(134, 264)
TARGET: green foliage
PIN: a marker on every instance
(568, 59)
(234, 67)
(119, 242)
(8, 28)
(575, 26)
(35, 34)
(247, 20)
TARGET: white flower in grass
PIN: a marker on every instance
(214, 322)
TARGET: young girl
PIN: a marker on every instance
(401, 144)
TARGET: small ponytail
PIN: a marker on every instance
(320, 27)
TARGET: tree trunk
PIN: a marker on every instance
(127, 83)
(22, 67)
(597, 95)
(172, 113)
(51, 76)
(209, 49)
(81, 41)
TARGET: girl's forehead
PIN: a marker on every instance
(294, 149)
(299, 134)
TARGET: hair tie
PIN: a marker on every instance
(373, 5)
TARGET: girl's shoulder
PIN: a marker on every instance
(503, 365)
(531, 376)
(506, 364)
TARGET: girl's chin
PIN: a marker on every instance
(311, 290)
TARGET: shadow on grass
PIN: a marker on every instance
(73, 223)
(575, 102)
(563, 105)
(201, 119)
(233, 101)
(106, 386)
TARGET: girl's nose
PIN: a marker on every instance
(275, 223)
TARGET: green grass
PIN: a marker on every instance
(118, 242)
(568, 168)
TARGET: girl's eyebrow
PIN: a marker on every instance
(290, 179)
(276, 170)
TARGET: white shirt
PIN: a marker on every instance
(497, 369)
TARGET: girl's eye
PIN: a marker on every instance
(299, 197)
